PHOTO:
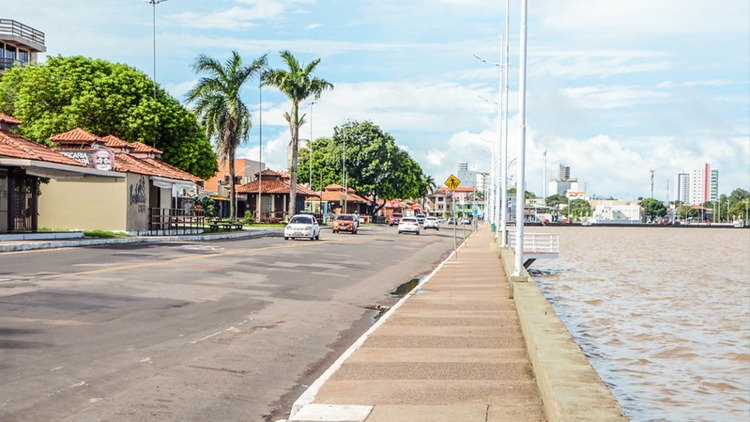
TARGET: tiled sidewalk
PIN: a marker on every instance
(451, 351)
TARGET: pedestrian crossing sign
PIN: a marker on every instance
(452, 182)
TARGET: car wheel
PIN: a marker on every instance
(417, 233)
(286, 238)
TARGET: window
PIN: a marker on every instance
(23, 56)
(10, 52)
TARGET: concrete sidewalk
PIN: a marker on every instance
(453, 350)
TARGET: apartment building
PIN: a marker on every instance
(19, 44)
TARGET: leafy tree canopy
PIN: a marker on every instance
(104, 98)
(375, 166)
(556, 199)
(653, 208)
(579, 208)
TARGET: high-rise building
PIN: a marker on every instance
(713, 188)
(704, 185)
(563, 183)
(564, 175)
(467, 177)
(683, 187)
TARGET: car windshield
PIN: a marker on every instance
(408, 220)
(300, 219)
(345, 218)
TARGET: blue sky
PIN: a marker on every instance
(614, 89)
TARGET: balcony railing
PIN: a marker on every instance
(15, 28)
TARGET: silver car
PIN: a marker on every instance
(302, 225)
(408, 225)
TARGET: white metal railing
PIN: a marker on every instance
(537, 243)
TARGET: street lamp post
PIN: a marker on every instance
(521, 165)
(311, 141)
(259, 202)
(153, 3)
(504, 154)
(343, 159)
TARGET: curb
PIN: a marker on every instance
(54, 244)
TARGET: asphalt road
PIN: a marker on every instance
(220, 330)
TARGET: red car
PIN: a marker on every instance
(395, 219)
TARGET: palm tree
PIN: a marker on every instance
(429, 186)
(298, 84)
(220, 108)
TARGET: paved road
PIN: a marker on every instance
(223, 330)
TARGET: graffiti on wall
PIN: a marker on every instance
(138, 192)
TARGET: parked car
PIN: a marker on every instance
(431, 223)
(302, 225)
(451, 220)
(395, 219)
(441, 220)
(408, 225)
(420, 218)
(346, 222)
(466, 221)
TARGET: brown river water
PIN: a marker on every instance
(663, 314)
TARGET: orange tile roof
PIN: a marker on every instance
(143, 148)
(273, 186)
(4, 118)
(150, 167)
(171, 171)
(333, 193)
(113, 141)
(15, 146)
(76, 136)
(334, 196)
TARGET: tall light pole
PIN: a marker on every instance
(521, 165)
(311, 140)
(504, 154)
(544, 177)
(153, 3)
(343, 160)
(259, 202)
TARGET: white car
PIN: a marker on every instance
(408, 225)
(431, 223)
(302, 225)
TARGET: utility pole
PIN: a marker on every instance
(153, 3)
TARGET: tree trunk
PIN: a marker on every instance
(294, 128)
(232, 192)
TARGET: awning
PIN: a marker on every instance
(218, 198)
(56, 171)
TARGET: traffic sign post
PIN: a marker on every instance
(452, 183)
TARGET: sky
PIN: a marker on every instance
(613, 89)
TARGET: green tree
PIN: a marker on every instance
(220, 107)
(556, 199)
(375, 166)
(526, 194)
(579, 208)
(737, 204)
(105, 99)
(297, 83)
(653, 208)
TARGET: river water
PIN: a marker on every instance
(663, 314)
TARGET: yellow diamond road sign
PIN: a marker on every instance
(452, 182)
